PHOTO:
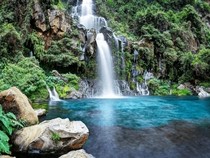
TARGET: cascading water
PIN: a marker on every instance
(86, 17)
(105, 66)
(53, 94)
(85, 14)
(107, 87)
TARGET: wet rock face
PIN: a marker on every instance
(55, 22)
(201, 92)
(75, 95)
(13, 100)
(53, 136)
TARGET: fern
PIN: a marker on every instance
(4, 143)
(8, 123)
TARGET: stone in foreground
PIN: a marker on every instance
(53, 136)
(13, 100)
(77, 154)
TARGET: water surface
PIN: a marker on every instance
(136, 127)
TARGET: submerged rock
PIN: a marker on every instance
(77, 154)
(53, 136)
(13, 100)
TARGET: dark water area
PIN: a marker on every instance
(175, 140)
(141, 127)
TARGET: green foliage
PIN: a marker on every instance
(58, 4)
(40, 106)
(158, 87)
(175, 32)
(175, 47)
(61, 53)
(181, 92)
(65, 84)
(55, 137)
(205, 84)
(4, 143)
(8, 123)
(73, 80)
(26, 75)
(10, 43)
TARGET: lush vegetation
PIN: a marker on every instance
(20, 38)
(172, 38)
(8, 123)
(26, 75)
(174, 35)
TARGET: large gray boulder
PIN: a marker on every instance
(53, 136)
(77, 154)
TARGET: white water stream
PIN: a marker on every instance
(86, 16)
(53, 94)
(105, 67)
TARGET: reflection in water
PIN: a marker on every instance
(107, 115)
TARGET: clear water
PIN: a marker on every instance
(142, 127)
(133, 112)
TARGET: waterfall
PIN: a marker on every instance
(86, 17)
(85, 14)
(53, 94)
(105, 66)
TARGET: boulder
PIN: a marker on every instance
(77, 154)
(40, 112)
(52, 136)
(13, 100)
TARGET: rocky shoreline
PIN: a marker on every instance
(57, 136)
